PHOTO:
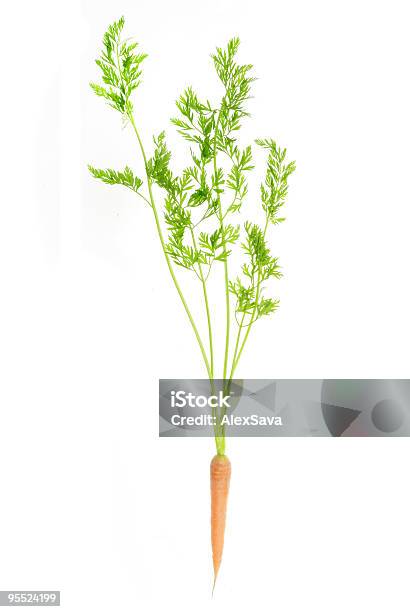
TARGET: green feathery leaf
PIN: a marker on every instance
(275, 189)
(120, 69)
(113, 177)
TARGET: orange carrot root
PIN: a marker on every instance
(220, 478)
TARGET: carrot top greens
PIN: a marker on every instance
(201, 205)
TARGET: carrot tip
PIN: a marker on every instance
(213, 586)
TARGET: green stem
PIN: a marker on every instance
(208, 313)
(218, 432)
(238, 337)
(226, 273)
(161, 237)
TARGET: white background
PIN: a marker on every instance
(91, 501)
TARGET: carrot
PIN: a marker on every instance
(206, 127)
(220, 478)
